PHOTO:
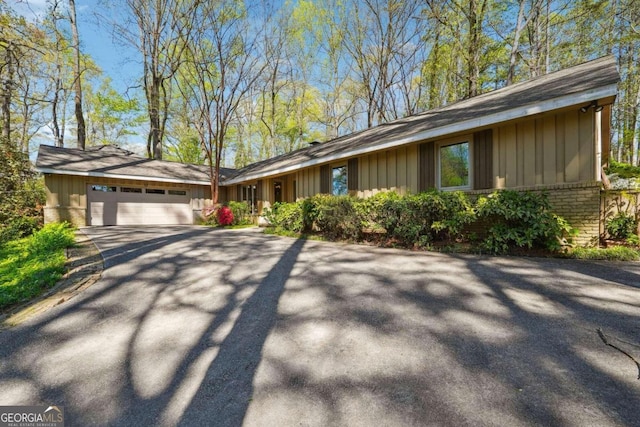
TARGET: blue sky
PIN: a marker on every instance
(118, 61)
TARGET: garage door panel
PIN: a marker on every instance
(134, 206)
(154, 213)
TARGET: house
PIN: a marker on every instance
(548, 134)
(107, 185)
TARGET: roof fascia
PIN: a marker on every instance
(118, 176)
(466, 125)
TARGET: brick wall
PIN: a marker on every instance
(75, 216)
(578, 203)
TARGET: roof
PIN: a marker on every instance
(109, 161)
(582, 84)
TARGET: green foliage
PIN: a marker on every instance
(335, 216)
(32, 264)
(424, 217)
(615, 253)
(520, 220)
(621, 226)
(22, 195)
(516, 220)
(241, 213)
(623, 170)
(286, 216)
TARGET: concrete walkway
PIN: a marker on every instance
(194, 326)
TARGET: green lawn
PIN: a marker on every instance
(29, 266)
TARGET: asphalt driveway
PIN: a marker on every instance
(194, 326)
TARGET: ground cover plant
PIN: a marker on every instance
(30, 265)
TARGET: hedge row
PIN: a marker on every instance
(496, 223)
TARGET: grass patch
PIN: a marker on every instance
(615, 253)
(29, 266)
(277, 231)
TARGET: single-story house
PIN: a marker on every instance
(550, 133)
(107, 185)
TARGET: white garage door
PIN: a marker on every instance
(120, 205)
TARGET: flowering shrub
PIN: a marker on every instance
(225, 216)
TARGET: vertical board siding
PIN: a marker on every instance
(539, 152)
(427, 166)
(552, 149)
(382, 183)
(520, 132)
(508, 140)
(572, 147)
(325, 179)
(412, 169)
(586, 145)
(352, 174)
(401, 170)
(392, 169)
(483, 157)
(560, 155)
(528, 152)
(373, 173)
(549, 150)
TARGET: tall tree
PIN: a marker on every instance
(77, 76)
(224, 64)
(164, 29)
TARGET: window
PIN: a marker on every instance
(103, 188)
(454, 166)
(339, 181)
(130, 190)
(177, 192)
(154, 191)
(249, 196)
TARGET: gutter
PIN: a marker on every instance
(118, 176)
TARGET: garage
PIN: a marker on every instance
(131, 205)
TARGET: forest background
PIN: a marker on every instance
(230, 82)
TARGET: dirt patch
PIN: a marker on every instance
(83, 268)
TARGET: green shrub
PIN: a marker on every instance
(241, 213)
(520, 220)
(335, 217)
(423, 217)
(621, 226)
(286, 216)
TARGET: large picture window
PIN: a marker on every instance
(454, 166)
(339, 181)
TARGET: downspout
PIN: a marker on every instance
(598, 145)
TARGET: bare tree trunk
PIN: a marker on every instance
(57, 135)
(7, 91)
(635, 143)
(516, 43)
(77, 83)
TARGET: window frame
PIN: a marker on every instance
(468, 139)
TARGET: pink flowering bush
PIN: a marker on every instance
(225, 216)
